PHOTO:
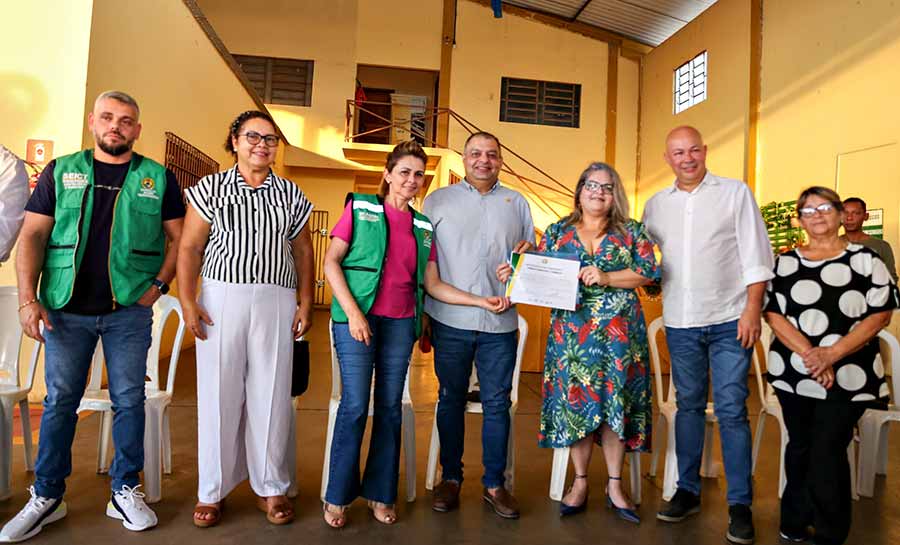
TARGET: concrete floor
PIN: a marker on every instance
(876, 521)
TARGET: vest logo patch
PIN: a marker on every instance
(74, 180)
(365, 215)
(426, 239)
(148, 189)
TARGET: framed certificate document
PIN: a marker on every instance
(544, 280)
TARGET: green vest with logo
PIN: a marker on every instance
(137, 240)
(364, 262)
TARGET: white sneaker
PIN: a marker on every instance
(37, 513)
(128, 506)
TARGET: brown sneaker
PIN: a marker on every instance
(445, 496)
(502, 502)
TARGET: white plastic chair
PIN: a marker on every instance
(434, 448)
(12, 390)
(157, 438)
(873, 449)
(667, 411)
(408, 425)
(561, 468)
(771, 407)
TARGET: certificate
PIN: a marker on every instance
(543, 280)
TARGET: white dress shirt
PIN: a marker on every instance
(714, 244)
(14, 194)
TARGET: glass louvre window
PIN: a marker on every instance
(279, 81)
(689, 84)
(540, 102)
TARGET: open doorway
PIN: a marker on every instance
(396, 105)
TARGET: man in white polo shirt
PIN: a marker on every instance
(716, 262)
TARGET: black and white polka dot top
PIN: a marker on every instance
(824, 300)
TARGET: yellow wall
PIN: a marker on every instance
(488, 49)
(402, 33)
(42, 80)
(177, 78)
(724, 31)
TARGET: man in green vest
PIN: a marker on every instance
(95, 235)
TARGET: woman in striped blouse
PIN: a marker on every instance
(246, 235)
(380, 263)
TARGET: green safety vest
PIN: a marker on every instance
(137, 240)
(364, 262)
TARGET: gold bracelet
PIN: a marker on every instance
(23, 305)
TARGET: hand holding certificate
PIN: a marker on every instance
(543, 280)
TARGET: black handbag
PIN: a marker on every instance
(300, 368)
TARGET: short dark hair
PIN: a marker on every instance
(857, 200)
(235, 128)
(826, 193)
(481, 134)
(409, 148)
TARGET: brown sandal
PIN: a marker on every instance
(283, 507)
(388, 514)
(335, 518)
(214, 510)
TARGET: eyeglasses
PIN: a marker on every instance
(593, 187)
(808, 211)
(253, 138)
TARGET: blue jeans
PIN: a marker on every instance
(494, 355)
(695, 352)
(70, 346)
(388, 356)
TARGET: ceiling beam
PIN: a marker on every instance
(580, 10)
(630, 48)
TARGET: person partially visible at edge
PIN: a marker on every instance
(596, 375)
(716, 261)
(247, 237)
(380, 264)
(855, 214)
(95, 233)
(13, 197)
(477, 224)
(827, 302)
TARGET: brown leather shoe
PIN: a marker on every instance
(503, 503)
(445, 496)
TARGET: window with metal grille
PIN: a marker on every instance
(188, 163)
(540, 102)
(689, 83)
(279, 81)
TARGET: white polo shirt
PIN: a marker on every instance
(14, 194)
(714, 244)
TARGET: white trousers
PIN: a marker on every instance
(244, 411)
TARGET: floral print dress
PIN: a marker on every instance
(597, 367)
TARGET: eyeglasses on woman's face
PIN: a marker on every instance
(593, 187)
(253, 138)
(810, 211)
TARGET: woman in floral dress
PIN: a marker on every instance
(596, 372)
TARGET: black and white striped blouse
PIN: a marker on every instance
(250, 229)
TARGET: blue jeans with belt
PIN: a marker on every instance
(695, 352)
(494, 355)
(126, 335)
(388, 356)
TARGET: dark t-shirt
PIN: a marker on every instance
(92, 294)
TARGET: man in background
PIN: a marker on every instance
(855, 215)
(13, 196)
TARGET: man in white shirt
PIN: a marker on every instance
(13, 196)
(716, 261)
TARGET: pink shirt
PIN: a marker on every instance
(396, 297)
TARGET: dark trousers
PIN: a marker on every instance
(818, 492)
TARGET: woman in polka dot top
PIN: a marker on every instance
(826, 304)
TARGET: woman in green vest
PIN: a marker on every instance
(380, 264)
